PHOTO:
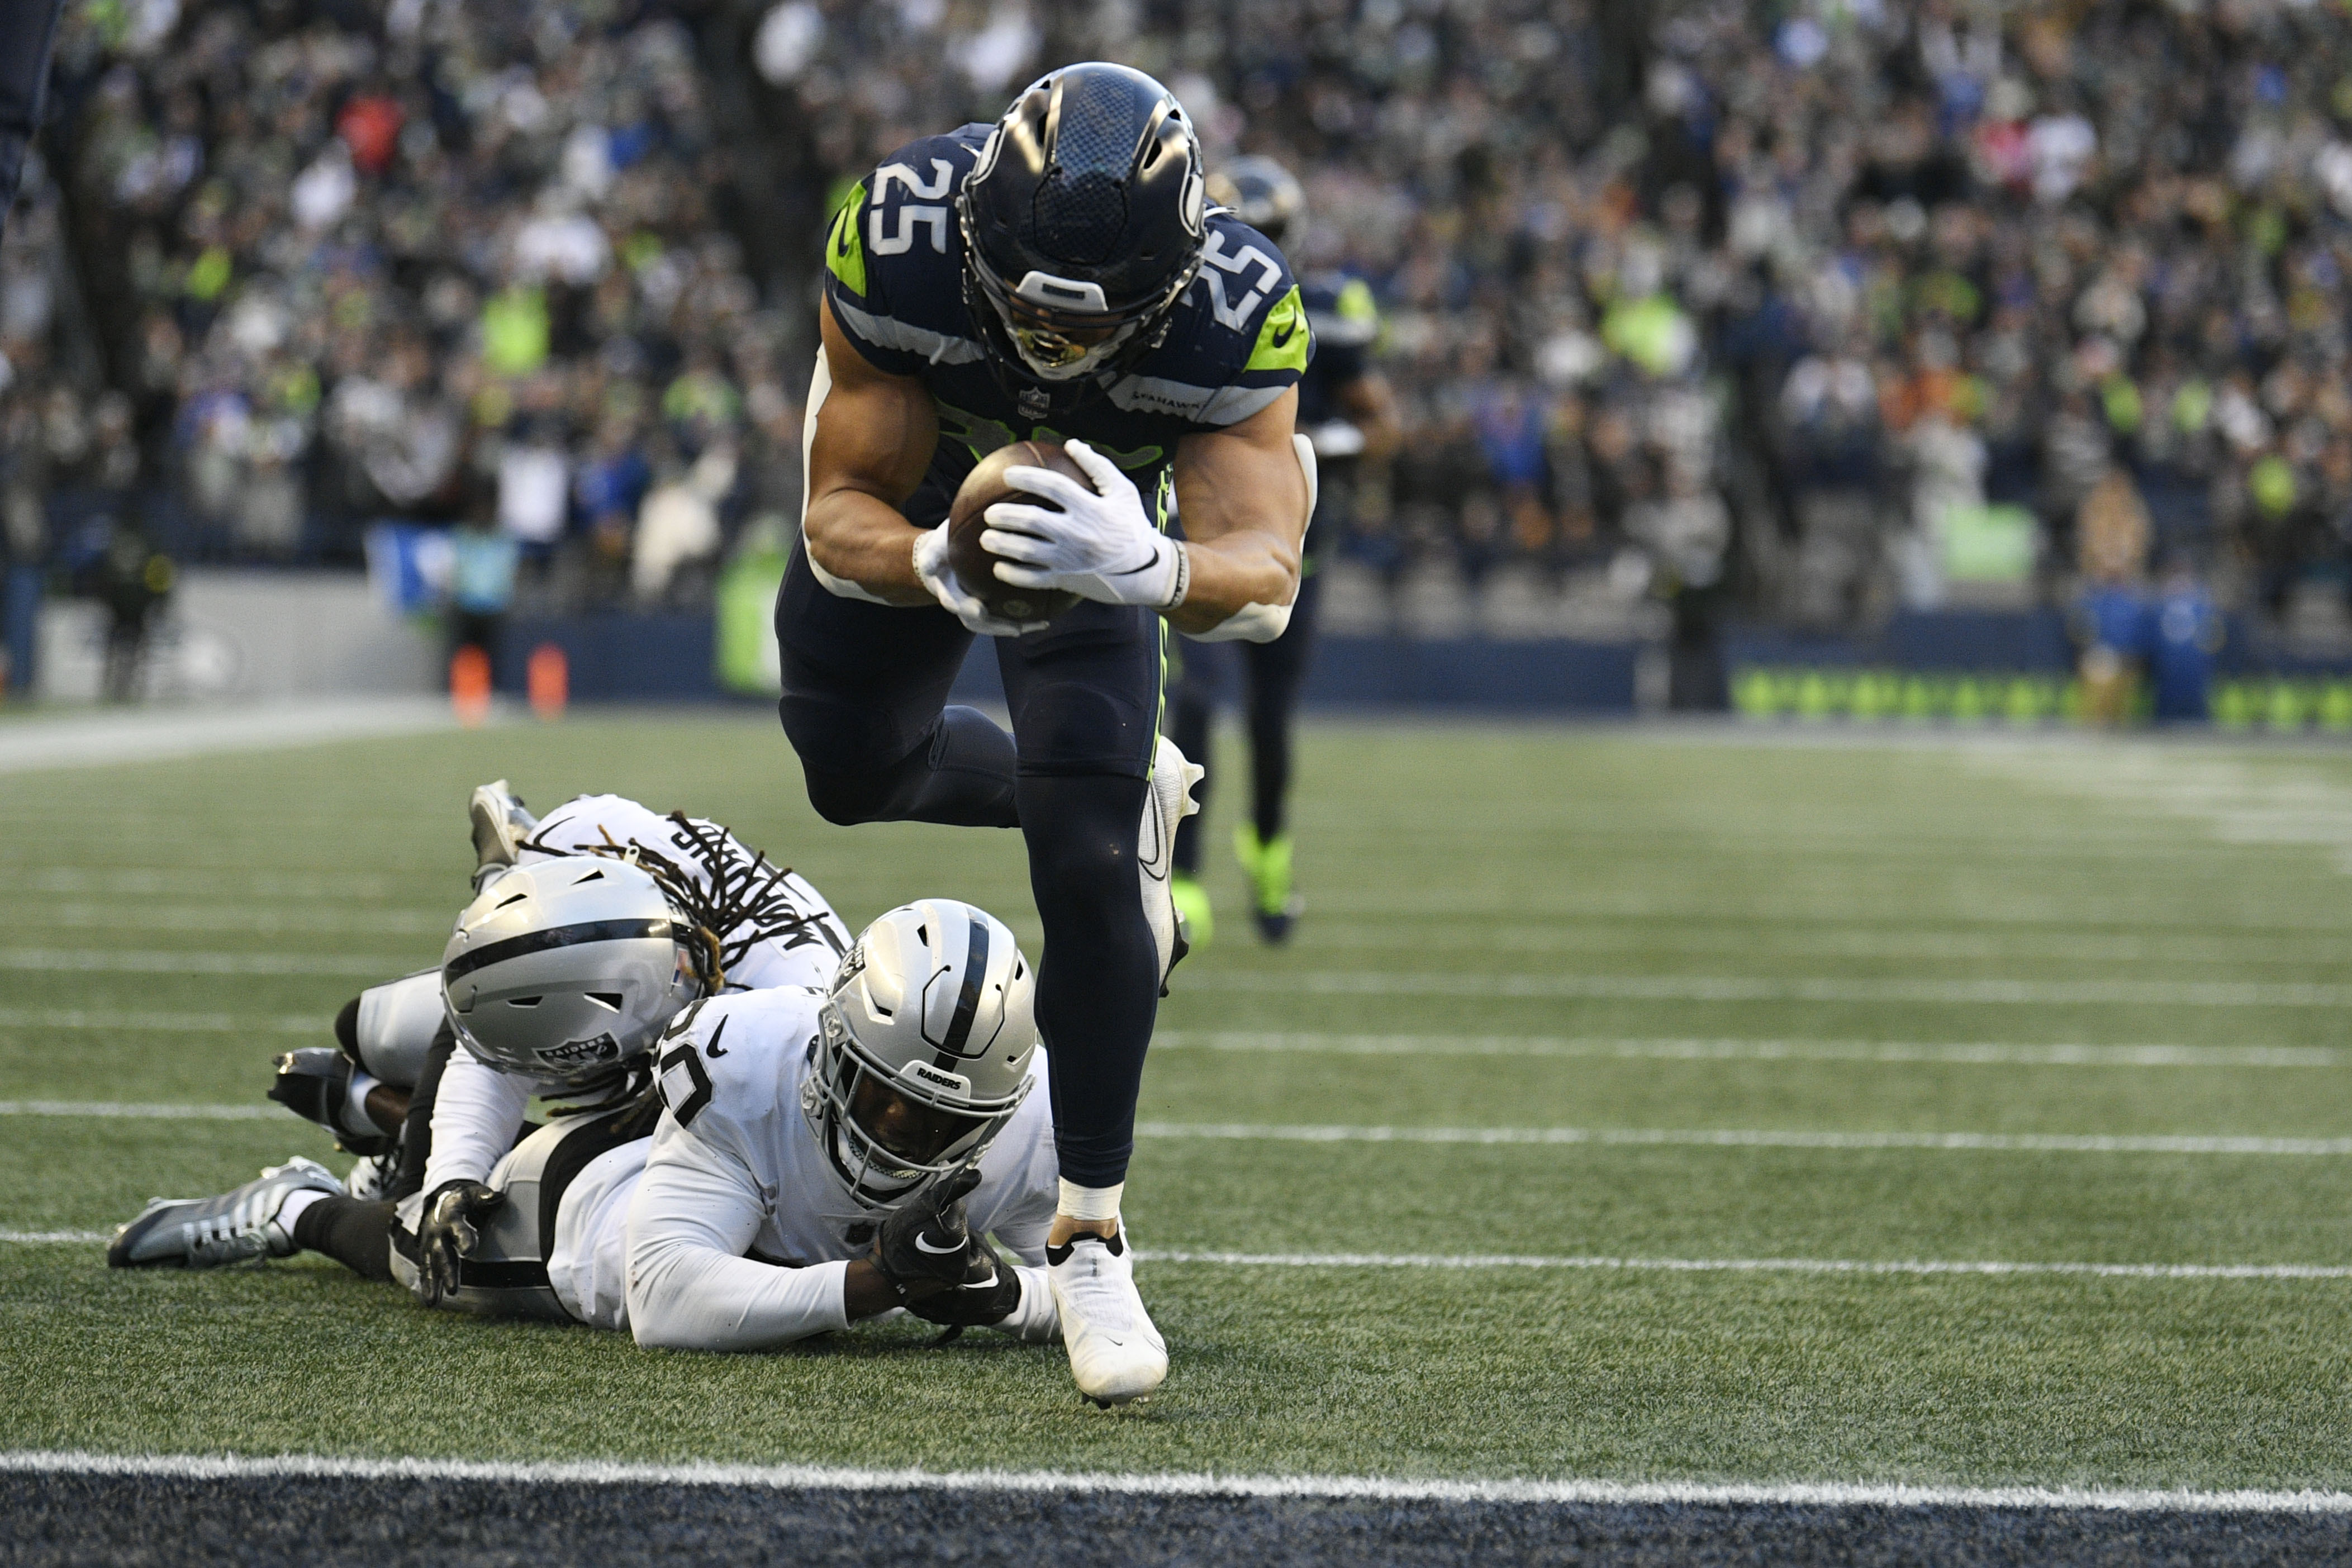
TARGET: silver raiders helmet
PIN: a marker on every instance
(566, 969)
(924, 1048)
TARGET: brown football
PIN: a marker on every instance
(968, 519)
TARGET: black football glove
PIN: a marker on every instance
(315, 1084)
(928, 1243)
(447, 1231)
(987, 1295)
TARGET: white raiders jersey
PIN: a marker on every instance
(741, 1232)
(791, 936)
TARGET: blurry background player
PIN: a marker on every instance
(1057, 275)
(1347, 410)
(28, 31)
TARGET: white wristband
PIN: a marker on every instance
(1183, 577)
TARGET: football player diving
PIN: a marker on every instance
(915, 1173)
(1058, 276)
(1350, 414)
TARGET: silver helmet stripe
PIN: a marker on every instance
(465, 964)
(975, 972)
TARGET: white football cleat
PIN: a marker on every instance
(1168, 803)
(1116, 1354)
(500, 825)
(238, 1227)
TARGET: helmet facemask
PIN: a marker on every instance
(888, 1134)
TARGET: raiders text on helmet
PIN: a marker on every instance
(934, 1005)
(1083, 224)
(566, 969)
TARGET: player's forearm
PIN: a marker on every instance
(1230, 574)
(684, 1296)
(476, 1115)
(864, 539)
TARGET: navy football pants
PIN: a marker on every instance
(865, 705)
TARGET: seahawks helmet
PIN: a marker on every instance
(1082, 221)
(568, 968)
(1261, 192)
(923, 1047)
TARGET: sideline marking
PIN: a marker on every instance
(1711, 1051)
(95, 739)
(788, 1477)
(1747, 1138)
(1266, 1133)
(178, 1023)
(47, 1238)
(1758, 988)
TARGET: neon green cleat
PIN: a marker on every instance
(1192, 905)
(1274, 903)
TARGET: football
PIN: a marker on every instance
(968, 520)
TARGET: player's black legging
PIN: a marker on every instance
(1272, 674)
(865, 705)
(356, 1232)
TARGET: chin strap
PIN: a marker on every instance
(1264, 623)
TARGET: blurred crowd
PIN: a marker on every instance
(422, 263)
(1818, 309)
(1832, 307)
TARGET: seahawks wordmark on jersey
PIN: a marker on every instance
(1238, 338)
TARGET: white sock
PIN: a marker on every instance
(1090, 1202)
(291, 1209)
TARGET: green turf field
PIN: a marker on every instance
(1551, 934)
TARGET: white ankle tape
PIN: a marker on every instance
(1090, 1202)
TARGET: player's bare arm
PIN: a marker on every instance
(1242, 494)
(875, 437)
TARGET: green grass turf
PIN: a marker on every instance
(1431, 856)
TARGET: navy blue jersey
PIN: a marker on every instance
(1344, 322)
(894, 279)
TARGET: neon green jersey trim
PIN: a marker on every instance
(845, 249)
(1282, 340)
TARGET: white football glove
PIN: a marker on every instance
(932, 570)
(1099, 545)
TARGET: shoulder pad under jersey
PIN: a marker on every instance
(894, 258)
(1239, 339)
(731, 1066)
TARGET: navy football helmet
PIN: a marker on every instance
(1261, 192)
(1084, 222)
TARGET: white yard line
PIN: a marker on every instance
(102, 1109)
(1976, 1054)
(1909, 1266)
(1901, 1267)
(92, 739)
(1764, 988)
(39, 1019)
(1646, 1137)
(166, 961)
(1748, 1138)
(1377, 1488)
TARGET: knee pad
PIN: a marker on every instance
(1077, 728)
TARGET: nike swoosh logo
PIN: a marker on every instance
(1287, 333)
(923, 1246)
(841, 246)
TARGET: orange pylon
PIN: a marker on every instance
(549, 680)
(470, 685)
